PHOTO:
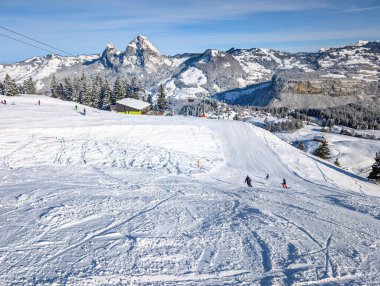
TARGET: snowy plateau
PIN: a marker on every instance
(111, 199)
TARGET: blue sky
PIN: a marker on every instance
(177, 26)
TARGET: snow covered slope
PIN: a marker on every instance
(104, 198)
(354, 154)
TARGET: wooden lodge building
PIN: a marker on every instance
(132, 106)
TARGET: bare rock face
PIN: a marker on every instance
(304, 90)
(334, 88)
(316, 90)
(327, 86)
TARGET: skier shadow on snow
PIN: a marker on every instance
(361, 207)
(342, 171)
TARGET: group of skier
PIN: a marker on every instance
(3, 101)
(84, 110)
(248, 181)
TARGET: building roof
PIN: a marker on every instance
(134, 103)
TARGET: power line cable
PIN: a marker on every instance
(16, 12)
(29, 38)
(7, 9)
(26, 43)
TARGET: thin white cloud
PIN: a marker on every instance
(147, 13)
(206, 10)
(361, 9)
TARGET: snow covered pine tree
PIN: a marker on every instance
(301, 146)
(119, 90)
(161, 99)
(54, 87)
(10, 87)
(323, 151)
(375, 173)
(29, 86)
(1, 88)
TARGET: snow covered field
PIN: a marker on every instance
(110, 199)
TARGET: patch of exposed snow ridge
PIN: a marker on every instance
(360, 43)
(193, 76)
(191, 84)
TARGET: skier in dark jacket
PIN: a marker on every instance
(267, 177)
(284, 185)
(248, 181)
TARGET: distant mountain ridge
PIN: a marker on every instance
(239, 76)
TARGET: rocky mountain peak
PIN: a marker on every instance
(142, 53)
(110, 56)
(141, 44)
(110, 46)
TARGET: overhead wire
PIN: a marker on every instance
(29, 38)
(26, 43)
(16, 12)
(11, 10)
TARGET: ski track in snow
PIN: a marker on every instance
(119, 200)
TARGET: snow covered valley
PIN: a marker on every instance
(110, 199)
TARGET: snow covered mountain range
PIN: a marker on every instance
(242, 76)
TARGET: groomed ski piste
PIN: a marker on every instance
(111, 199)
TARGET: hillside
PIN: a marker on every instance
(105, 198)
(354, 154)
(325, 78)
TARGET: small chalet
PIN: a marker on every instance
(132, 106)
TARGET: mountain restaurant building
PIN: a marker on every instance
(132, 106)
